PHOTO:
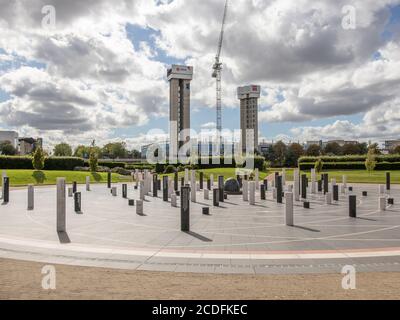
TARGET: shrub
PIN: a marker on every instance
(370, 162)
(63, 163)
(38, 159)
(319, 165)
(121, 171)
(11, 162)
(170, 169)
(93, 160)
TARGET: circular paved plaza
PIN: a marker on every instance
(235, 238)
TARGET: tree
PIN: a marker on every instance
(38, 159)
(82, 152)
(136, 154)
(314, 150)
(93, 160)
(370, 163)
(395, 150)
(7, 149)
(279, 150)
(294, 152)
(319, 165)
(62, 150)
(115, 150)
(351, 149)
(333, 148)
(374, 148)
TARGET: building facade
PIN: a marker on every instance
(9, 136)
(248, 96)
(179, 78)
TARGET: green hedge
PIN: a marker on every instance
(110, 164)
(381, 166)
(353, 159)
(52, 163)
(11, 162)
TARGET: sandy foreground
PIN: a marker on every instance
(22, 280)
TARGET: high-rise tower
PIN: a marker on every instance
(248, 97)
(179, 78)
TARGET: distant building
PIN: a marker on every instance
(391, 144)
(248, 97)
(339, 142)
(10, 136)
(29, 145)
(264, 147)
(311, 143)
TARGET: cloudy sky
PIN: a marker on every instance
(100, 72)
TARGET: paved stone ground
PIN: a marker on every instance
(236, 238)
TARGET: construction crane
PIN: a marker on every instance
(217, 69)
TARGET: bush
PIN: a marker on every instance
(327, 159)
(11, 162)
(63, 163)
(170, 169)
(109, 164)
(38, 159)
(93, 160)
(121, 171)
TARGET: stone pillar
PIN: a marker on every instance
(3, 175)
(87, 183)
(353, 206)
(257, 179)
(174, 201)
(388, 182)
(304, 186)
(216, 197)
(212, 180)
(165, 189)
(31, 197)
(328, 198)
(279, 190)
(61, 205)
(170, 188)
(139, 208)
(252, 192)
(284, 177)
(142, 191)
(109, 180)
(262, 193)
(186, 176)
(342, 189)
(381, 189)
(70, 193)
(382, 203)
(313, 181)
(114, 191)
(6, 190)
(206, 194)
(201, 180)
(245, 190)
(274, 193)
(296, 185)
(345, 181)
(125, 191)
(289, 216)
(335, 193)
(78, 202)
(185, 209)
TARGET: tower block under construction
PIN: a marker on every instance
(248, 96)
(179, 78)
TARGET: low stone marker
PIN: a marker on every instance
(342, 189)
(206, 194)
(306, 205)
(353, 206)
(206, 211)
(3, 175)
(87, 183)
(365, 194)
(174, 201)
(382, 203)
(124, 191)
(289, 219)
(78, 202)
(328, 198)
(139, 207)
(245, 191)
(391, 201)
(142, 191)
(74, 187)
(274, 193)
(296, 185)
(61, 205)
(114, 191)
(382, 189)
(185, 209)
(70, 192)
(216, 197)
(31, 197)
(131, 203)
(350, 189)
(344, 180)
(257, 179)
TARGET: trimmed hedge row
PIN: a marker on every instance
(353, 159)
(380, 166)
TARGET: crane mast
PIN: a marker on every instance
(217, 69)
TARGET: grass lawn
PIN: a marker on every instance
(25, 177)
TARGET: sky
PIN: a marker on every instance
(99, 72)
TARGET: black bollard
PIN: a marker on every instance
(206, 211)
(182, 182)
(319, 185)
(263, 192)
(165, 189)
(131, 203)
(304, 186)
(388, 182)
(365, 194)
(221, 188)
(336, 193)
(266, 184)
(155, 186)
(216, 197)
(208, 184)
(326, 183)
(78, 202)
(201, 180)
(176, 181)
(6, 190)
(391, 201)
(109, 180)
(306, 205)
(279, 189)
(124, 191)
(74, 187)
(353, 206)
(185, 209)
